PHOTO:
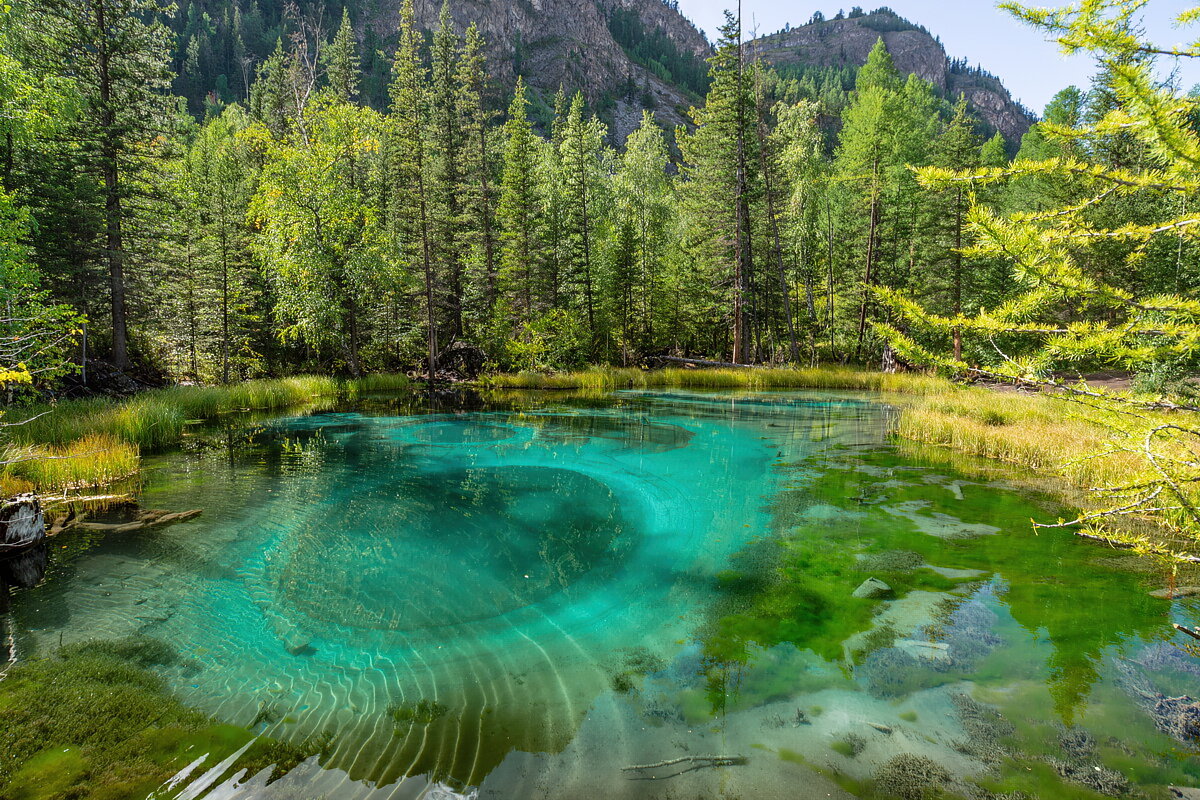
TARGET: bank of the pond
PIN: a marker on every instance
(95, 442)
(1067, 442)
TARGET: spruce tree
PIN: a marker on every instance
(477, 168)
(445, 173)
(342, 66)
(518, 211)
(409, 203)
(117, 51)
(581, 151)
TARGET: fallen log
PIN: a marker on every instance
(154, 518)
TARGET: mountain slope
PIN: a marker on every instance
(846, 42)
(659, 61)
(625, 55)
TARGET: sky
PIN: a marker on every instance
(1032, 68)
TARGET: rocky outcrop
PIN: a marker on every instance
(848, 42)
(566, 43)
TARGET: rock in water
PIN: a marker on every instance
(873, 589)
(1176, 593)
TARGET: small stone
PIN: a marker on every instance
(1176, 593)
(930, 651)
(873, 589)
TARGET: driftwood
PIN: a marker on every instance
(1192, 632)
(694, 762)
(153, 518)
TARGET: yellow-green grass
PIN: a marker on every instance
(815, 378)
(68, 433)
(97, 459)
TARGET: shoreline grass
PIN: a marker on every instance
(89, 443)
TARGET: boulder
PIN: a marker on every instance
(873, 589)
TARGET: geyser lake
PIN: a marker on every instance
(522, 596)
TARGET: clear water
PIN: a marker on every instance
(523, 599)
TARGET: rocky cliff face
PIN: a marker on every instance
(569, 43)
(847, 42)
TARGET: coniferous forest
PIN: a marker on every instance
(290, 225)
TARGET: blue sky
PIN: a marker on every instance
(1031, 67)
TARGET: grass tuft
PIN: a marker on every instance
(87, 443)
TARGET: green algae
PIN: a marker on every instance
(91, 721)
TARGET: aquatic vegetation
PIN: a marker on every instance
(91, 721)
(850, 745)
(423, 712)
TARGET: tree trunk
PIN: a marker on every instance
(868, 272)
(109, 148)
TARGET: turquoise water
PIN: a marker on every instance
(522, 599)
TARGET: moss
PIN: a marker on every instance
(50, 773)
(93, 722)
(423, 712)
(140, 650)
(891, 561)
(621, 682)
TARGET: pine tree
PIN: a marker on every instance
(118, 52)
(721, 187)
(994, 152)
(220, 181)
(410, 201)
(342, 63)
(958, 149)
(518, 209)
(581, 151)
(445, 178)
(645, 205)
(477, 168)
